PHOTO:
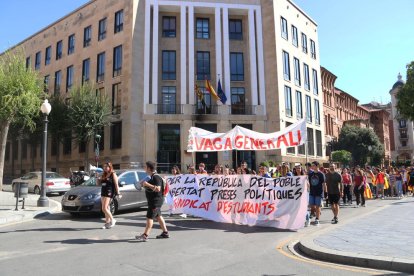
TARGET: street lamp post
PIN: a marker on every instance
(43, 201)
(97, 140)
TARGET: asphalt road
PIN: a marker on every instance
(61, 245)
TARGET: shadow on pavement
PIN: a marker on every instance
(61, 229)
(88, 241)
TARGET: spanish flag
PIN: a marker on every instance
(212, 91)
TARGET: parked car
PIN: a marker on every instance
(86, 198)
(55, 183)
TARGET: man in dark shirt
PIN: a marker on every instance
(335, 190)
(316, 181)
(154, 193)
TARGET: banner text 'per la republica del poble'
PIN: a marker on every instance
(241, 199)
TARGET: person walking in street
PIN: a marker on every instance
(359, 187)
(398, 183)
(380, 184)
(154, 193)
(347, 183)
(109, 189)
(316, 180)
(335, 190)
(410, 180)
(370, 178)
(392, 183)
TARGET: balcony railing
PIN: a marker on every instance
(241, 109)
(169, 109)
(205, 110)
(403, 137)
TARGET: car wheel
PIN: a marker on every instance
(113, 207)
(37, 190)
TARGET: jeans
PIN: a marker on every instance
(359, 194)
(347, 194)
(398, 186)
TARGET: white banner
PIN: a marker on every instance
(241, 199)
(239, 138)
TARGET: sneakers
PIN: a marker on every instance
(316, 223)
(113, 222)
(163, 235)
(142, 238)
(334, 220)
(106, 226)
(307, 223)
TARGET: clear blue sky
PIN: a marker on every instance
(365, 43)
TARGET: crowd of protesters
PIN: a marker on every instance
(332, 184)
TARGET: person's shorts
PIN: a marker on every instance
(107, 192)
(333, 199)
(153, 212)
(315, 200)
(380, 186)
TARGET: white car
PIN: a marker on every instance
(55, 183)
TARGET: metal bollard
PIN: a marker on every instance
(21, 190)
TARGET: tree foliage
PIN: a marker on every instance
(342, 156)
(88, 113)
(359, 141)
(405, 97)
(59, 120)
(21, 92)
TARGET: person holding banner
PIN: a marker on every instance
(317, 181)
(201, 169)
(154, 194)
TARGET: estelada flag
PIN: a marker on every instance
(211, 90)
(221, 94)
(200, 95)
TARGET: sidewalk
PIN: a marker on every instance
(8, 215)
(379, 236)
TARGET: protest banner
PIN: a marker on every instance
(239, 138)
(241, 199)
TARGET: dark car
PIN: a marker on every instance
(86, 198)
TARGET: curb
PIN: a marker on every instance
(54, 207)
(315, 251)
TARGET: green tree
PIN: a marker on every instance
(59, 123)
(21, 91)
(405, 97)
(363, 143)
(89, 113)
(342, 156)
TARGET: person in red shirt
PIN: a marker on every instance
(347, 183)
(380, 184)
(359, 187)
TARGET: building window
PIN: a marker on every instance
(296, 63)
(59, 49)
(169, 26)
(317, 112)
(119, 21)
(48, 55)
(100, 71)
(102, 29)
(318, 142)
(23, 148)
(85, 70)
(27, 62)
(311, 147)
(288, 101)
(304, 43)
(46, 84)
(295, 40)
(202, 28)
(203, 66)
(236, 67)
(238, 100)
(116, 135)
(116, 98)
(117, 66)
(38, 60)
(71, 44)
(235, 29)
(315, 82)
(168, 65)
(284, 27)
(169, 149)
(306, 76)
(69, 77)
(403, 143)
(308, 109)
(168, 100)
(58, 81)
(82, 146)
(403, 134)
(54, 146)
(299, 109)
(87, 36)
(15, 149)
(207, 108)
(290, 150)
(67, 143)
(286, 66)
(313, 49)
(403, 123)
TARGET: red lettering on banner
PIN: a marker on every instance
(199, 146)
(262, 145)
(293, 143)
(238, 143)
(227, 207)
(217, 143)
(254, 142)
(227, 146)
(281, 139)
(208, 145)
(270, 144)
